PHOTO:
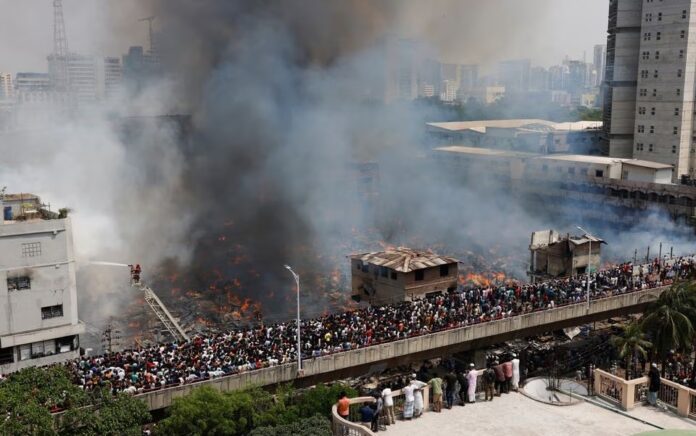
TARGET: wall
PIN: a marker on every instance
(420, 347)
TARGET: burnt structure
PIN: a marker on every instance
(401, 274)
(553, 255)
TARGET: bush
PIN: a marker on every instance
(315, 426)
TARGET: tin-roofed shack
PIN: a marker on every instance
(401, 274)
(553, 255)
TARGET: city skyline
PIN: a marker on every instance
(101, 28)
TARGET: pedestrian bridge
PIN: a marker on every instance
(380, 356)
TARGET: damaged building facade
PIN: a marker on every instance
(38, 295)
(401, 274)
(554, 255)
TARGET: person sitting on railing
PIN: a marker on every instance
(367, 414)
(343, 407)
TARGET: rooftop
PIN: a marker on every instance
(485, 151)
(404, 259)
(19, 197)
(525, 124)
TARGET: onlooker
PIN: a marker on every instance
(472, 377)
(343, 408)
(654, 384)
(418, 404)
(463, 387)
(515, 372)
(388, 406)
(436, 386)
(499, 378)
(366, 415)
(507, 370)
(450, 388)
(409, 400)
(379, 407)
(489, 383)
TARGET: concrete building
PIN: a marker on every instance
(554, 256)
(514, 75)
(6, 86)
(649, 103)
(535, 136)
(401, 274)
(33, 87)
(38, 297)
(599, 61)
(109, 76)
(91, 78)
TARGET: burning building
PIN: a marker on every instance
(401, 274)
(553, 255)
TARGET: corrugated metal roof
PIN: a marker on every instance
(404, 259)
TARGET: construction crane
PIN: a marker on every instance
(149, 23)
(60, 48)
(152, 300)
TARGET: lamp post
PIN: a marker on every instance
(589, 263)
(299, 343)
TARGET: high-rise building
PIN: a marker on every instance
(600, 54)
(38, 297)
(514, 75)
(649, 99)
(33, 87)
(110, 74)
(6, 86)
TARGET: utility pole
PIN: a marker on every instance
(110, 338)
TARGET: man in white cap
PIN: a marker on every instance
(515, 372)
(471, 376)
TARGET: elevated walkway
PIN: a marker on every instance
(414, 349)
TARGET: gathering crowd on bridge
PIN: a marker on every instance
(171, 364)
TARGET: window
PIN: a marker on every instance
(599, 173)
(675, 130)
(643, 92)
(658, 35)
(639, 146)
(643, 74)
(444, 270)
(646, 55)
(646, 36)
(641, 110)
(657, 54)
(641, 128)
(681, 54)
(654, 94)
(18, 283)
(682, 34)
(393, 275)
(684, 15)
(674, 149)
(679, 72)
(659, 16)
(52, 311)
(420, 275)
(652, 129)
(650, 147)
(655, 74)
(676, 111)
(652, 111)
(678, 91)
(384, 271)
(31, 249)
(648, 17)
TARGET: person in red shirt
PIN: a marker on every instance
(507, 370)
(343, 408)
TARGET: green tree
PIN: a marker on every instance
(631, 343)
(314, 426)
(669, 320)
(320, 399)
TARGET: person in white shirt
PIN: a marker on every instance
(388, 405)
(515, 372)
(409, 400)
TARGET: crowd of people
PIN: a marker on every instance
(455, 386)
(163, 365)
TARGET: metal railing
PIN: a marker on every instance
(669, 395)
(611, 390)
(344, 427)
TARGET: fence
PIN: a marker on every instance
(627, 393)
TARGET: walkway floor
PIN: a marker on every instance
(517, 415)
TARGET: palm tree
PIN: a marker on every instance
(670, 320)
(632, 343)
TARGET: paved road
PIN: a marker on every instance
(516, 415)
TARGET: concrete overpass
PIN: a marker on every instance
(376, 357)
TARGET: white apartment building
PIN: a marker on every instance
(6, 86)
(38, 297)
(91, 78)
(650, 77)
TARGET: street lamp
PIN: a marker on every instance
(299, 344)
(589, 262)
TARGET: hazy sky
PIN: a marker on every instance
(476, 31)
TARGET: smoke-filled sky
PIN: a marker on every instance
(467, 31)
